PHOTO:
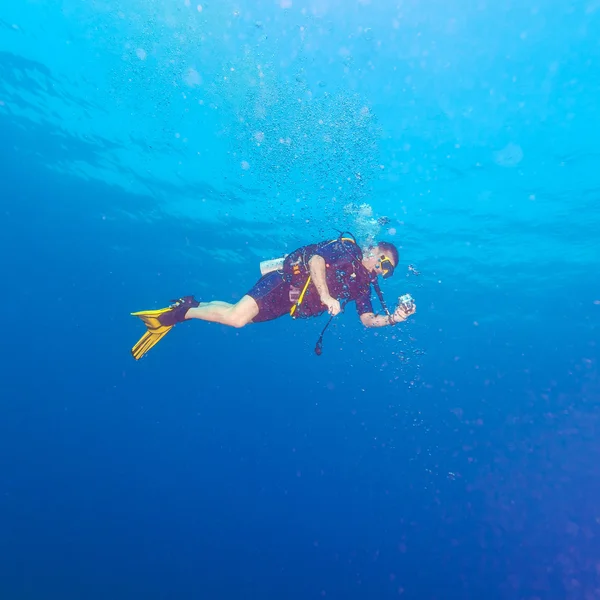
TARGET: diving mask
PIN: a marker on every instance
(387, 267)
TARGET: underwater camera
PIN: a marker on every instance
(406, 302)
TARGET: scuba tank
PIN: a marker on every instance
(275, 264)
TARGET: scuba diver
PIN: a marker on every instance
(305, 283)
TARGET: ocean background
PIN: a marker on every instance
(152, 149)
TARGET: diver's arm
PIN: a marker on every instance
(317, 273)
(401, 313)
(373, 320)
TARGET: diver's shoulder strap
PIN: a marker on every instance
(346, 236)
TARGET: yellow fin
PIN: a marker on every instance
(155, 333)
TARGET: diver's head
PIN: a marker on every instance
(381, 259)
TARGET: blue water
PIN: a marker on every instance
(154, 149)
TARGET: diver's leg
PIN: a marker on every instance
(234, 315)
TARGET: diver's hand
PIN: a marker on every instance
(403, 311)
(333, 305)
